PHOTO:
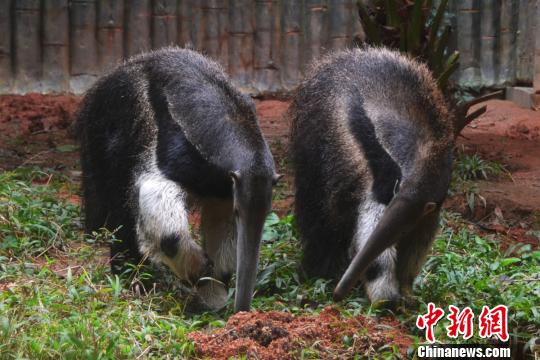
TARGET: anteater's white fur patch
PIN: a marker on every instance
(386, 285)
(217, 230)
(163, 212)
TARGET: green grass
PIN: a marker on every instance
(473, 167)
(467, 170)
(48, 310)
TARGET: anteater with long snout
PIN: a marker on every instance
(164, 128)
(371, 148)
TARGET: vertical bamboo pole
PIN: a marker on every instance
(164, 23)
(357, 34)
(536, 79)
(27, 46)
(198, 24)
(507, 54)
(110, 32)
(5, 46)
(184, 26)
(489, 13)
(137, 29)
(277, 46)
(55, 45)
(241, 43)
(223, 19)
(316, 27)
(337, 25)
(83, 44)
(292, 43)
(467, 18)
(265, 70)
(213, 36)
(525, 40)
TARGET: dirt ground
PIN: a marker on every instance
(279, 335)
(38, 130)
(509, 135)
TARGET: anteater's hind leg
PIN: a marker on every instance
(124, 250)
(108, 211)
(95, 211)
(163, 228)
(413, 249)
(380, 280)
(217, 229)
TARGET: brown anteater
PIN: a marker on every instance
(371, 147)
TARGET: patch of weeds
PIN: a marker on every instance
(467, 269)
(279, 286)
(58, 297)
(86, 312)
(467, 169)
(33, 217)
(473, 167)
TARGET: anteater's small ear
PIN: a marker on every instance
(276, 178)
(429, 207)
(235, 176)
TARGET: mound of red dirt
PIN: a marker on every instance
(280, 335)
(35, 129)
(36, 112)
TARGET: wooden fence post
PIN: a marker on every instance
(264, 61)
(216, 31)
(467, 41)
(27, 46)
(316, 28)
(525, 40)
(490, 14)
(55, 45)
(83, 45)
(137, 28)
(110, 33)
(6, 70)
(536, 79)
(292, 43)
(507, 54)
(337, 27)
(241, 43)
(164, 23)
(184, 27)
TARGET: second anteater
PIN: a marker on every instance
(371, 147)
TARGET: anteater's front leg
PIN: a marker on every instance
(217, 229)
(413, 250)
(163, 228)
(380, 280)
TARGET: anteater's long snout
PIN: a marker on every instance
(401, 215)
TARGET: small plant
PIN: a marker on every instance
(467, 169)
(473, 167)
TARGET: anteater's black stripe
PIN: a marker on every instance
(385, 170)
(179, 160)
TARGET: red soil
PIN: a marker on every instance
(35, 129)
(280, 335)
(509, 135)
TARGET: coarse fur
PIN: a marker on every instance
(367, 124)
(162, 128)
